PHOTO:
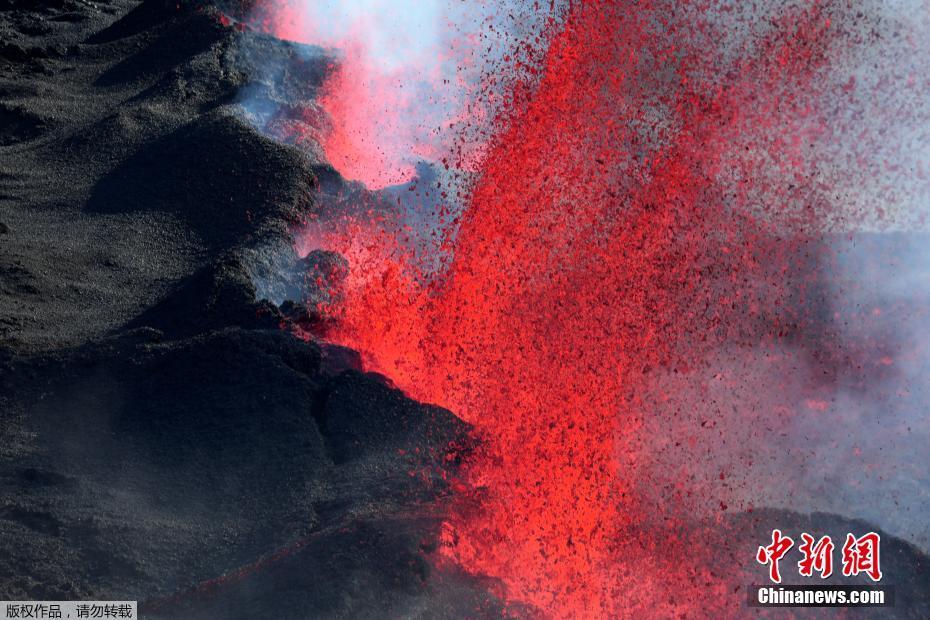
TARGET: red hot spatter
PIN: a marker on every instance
(601, 245)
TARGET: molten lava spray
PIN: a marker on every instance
(649, 204)
(598, 244)
(403, 74)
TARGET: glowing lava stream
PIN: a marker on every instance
(598, 248)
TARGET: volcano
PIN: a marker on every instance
(576, 354)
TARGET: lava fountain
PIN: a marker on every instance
(647, 199)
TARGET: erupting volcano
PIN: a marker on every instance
(648, 212)
(464, 308)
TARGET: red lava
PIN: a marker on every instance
(607, 242)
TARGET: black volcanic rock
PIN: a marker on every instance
(204, 173)
(217, 296)
(362, 413)
(140, 467)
